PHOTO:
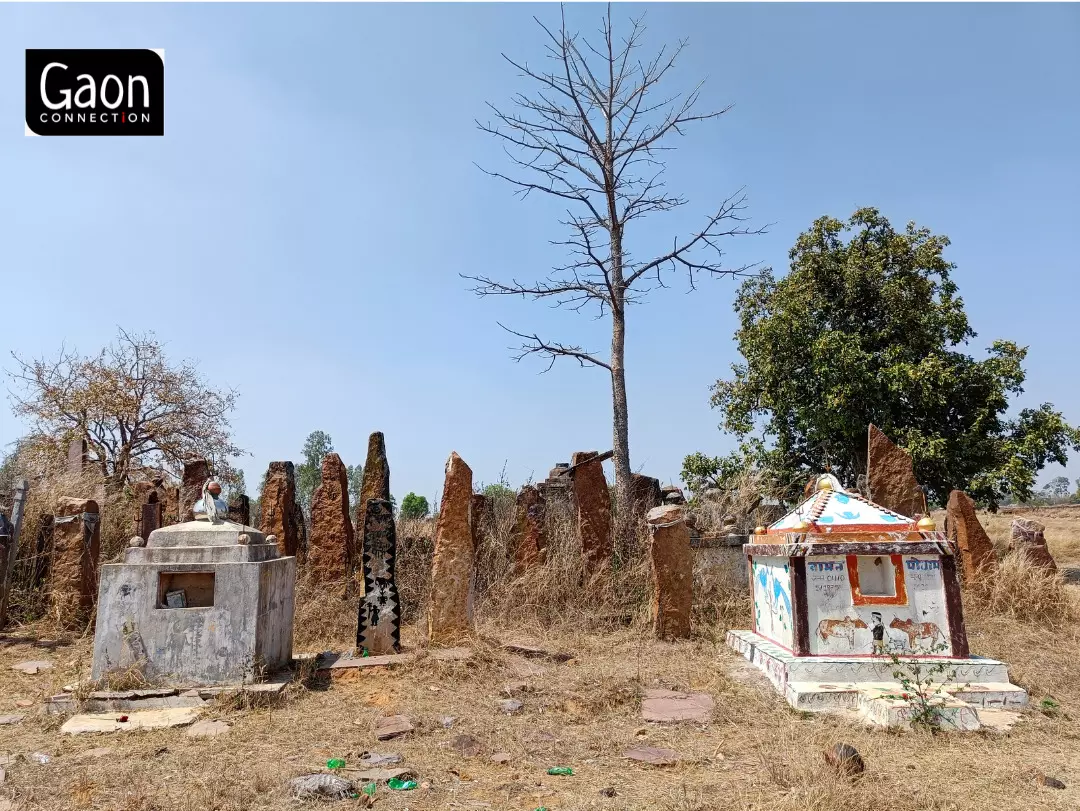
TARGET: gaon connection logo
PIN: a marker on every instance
(95, 92)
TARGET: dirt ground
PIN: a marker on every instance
(755, 753)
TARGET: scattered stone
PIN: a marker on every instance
(320, 786)
(673, 572)
(374, 483)
(8, 720)
(377, 759)
(608, 792)
(281, 515)
(669, 706)
(500, 757)
(510, 705)
(593, 501)
(529, 537)
(383, 775)
(32, 668)
(450, 616)
(1049, 782)
(24, 702)
(378, 622)
(537, 653)
(673, 494)
(652, 755)
(137, 542)
(142, 719)
(466, 745)
(891, 479)
(208, 729)
(40, 758)
(74, 561)
(392, 726)
(963, 528)
(332, 545)
(447, 721)
(1027, 537)
(845, 759)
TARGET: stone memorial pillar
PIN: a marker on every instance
(529, 535)
(239, 510)
(974, 546)
(593, 503)
(1027, 536)
(332, 544)
(196, 472)
(280, 513)
(891, 477)
(378, 623)
(673, 572)
(375, 483)
(450, 616)
(73, 568)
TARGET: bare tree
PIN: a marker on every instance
(591, 133)
(133, 408)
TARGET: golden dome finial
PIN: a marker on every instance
(802, 524)
(824, 483)
(926, 524)
(759, 530)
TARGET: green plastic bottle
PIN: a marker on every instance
(369, 789)
(401, 785)
(566, 771)
(335, 763)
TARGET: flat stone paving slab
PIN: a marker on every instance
(670, 706)
(145, 719)
(392, 726)
(207, 729)
(652, 755)
(337, 661)
(32, 668)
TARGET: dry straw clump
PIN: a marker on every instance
(1022, 591)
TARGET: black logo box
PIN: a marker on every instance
(99, 92)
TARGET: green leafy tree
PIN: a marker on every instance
(355, 475)
(1057, 489)
(309, 472)
(414, 506)
(868, 327)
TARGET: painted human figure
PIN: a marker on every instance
(877, 630)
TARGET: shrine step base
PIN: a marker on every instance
(977, 695)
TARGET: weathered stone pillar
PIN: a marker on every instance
(529, 536)
(378, 622)
(673, 572)
(239, 510)
(974, 546)
(891, 477)
(280, 513)
(1027, 537)
(593, 502)
(73, 568)
(645, 492)
(450, 616)
(332, 544)
(196, 472)
(375, 483)
(77, 456)
(9, 544)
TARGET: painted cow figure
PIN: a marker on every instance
(918, 630)
(844, 629)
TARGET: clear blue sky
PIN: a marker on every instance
(300, 228)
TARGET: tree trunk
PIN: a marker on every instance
(621, 430)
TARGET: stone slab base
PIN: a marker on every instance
(976, 691)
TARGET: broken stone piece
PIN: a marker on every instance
(5, 720)
(1049, 782)
(377, 759)
(466, 745)
(652, 755)
(208, 729)
(24, 702)
(668, 706)
(142, 719)
(32, 668)
(137, 542)
(392, 726)
(500, 757)
(845, 759)
(510, 705)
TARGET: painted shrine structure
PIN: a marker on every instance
(840, 587)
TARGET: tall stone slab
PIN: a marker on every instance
(450, 617)
(1027, 536)
(476, 517)
(673, 571)
(332, 544)
(378, 622)
(529, 537)
(645, 492)
(593, 503)
(239, 511)
(375, 483)
(74, 561)
(196, 472)
(891, 477)
(77, 456)
(963, 528)
(281, 515)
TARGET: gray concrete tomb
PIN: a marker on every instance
(203, 602)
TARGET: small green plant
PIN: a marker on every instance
(923, 686)
(1049, 706)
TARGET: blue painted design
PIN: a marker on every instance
(825, 519)
(841, 498)
(763, 577)
(887, 517)
(849, 515)
(779, 593)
